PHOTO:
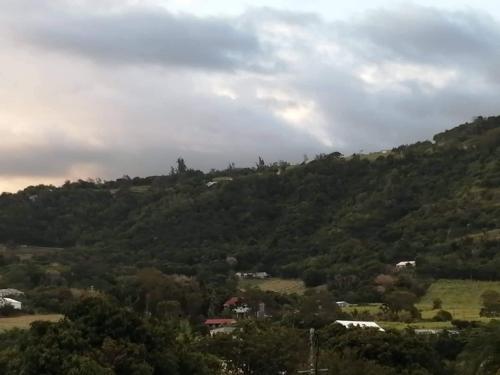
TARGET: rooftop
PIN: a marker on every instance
(360, 324)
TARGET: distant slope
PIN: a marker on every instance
(462, 298)
(339, 220)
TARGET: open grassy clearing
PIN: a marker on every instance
(417, 325)
(25, 320)
(372, 308)
(275, 284)
(25, 252)
(493, 234)
(462, 298)
(140, 188)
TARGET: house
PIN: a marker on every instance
(241, 311)
(222, 330)
(428, 331)
(219, 322)
(435, 331)
(231, 302)
(222, 179)
(406, 263)
(4, 301)
(359, 324)
(343, 304)
(10, 292)
(252, 275)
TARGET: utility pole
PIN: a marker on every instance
(313, 357)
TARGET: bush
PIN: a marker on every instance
(437, 304)
(443, 316)
(463, 324)
(8, 310)
(314, 277)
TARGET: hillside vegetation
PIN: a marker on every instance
(26, 320)
(335, 220)
(137, 265)
(277, 285)
(462, 298)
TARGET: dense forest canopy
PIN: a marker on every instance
(337, 220)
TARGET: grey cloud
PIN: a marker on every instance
(141, 35)
(152, 116)
(49, 160)
(425, 34)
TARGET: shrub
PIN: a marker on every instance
(442, 316)
(437, 304)
(313, 277)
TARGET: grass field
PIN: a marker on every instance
(462, 298)
(25, 320)
(275, 284)
(418, 325)
(25, 252)
(372, 308)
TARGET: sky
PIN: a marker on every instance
(103, 88)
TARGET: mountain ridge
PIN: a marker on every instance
(330, 219)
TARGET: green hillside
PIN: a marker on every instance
(137, 265)
(336, 221)
(462, 298)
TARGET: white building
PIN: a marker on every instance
(252, 275)
(10, 292)
(11, 302)
(406, 263)
(359, 324)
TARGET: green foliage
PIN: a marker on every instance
(98, 337)
(491, 303)
(159, 248)
(442, 316)
(400, 300)
(313, 277)
(260, 349)
(437, 303)
(391, 351)
(334, 220)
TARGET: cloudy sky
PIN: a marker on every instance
(102, 88)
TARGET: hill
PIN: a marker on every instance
(462, 298)
(334, 220)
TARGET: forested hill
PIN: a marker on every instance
(329, 220)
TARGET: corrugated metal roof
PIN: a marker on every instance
(361, 324)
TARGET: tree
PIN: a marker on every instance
(313, 277)
(181, 166)
(400, 300)
(260, 349)
(437, 304)
(442, 316)
(491, 303)
(261, 164)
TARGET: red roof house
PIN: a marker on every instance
(219, 322)
(231, 302)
